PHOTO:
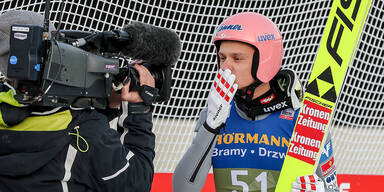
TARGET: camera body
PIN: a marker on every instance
(53, 72)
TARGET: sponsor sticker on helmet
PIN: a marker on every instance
(264, 38)
(229, 27)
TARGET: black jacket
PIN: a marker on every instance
(40, 159)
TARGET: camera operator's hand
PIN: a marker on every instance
(145, 79)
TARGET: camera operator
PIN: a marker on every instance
(72, 149)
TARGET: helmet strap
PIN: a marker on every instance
(255, 62)
(249, 91)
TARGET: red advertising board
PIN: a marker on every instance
(162, 182)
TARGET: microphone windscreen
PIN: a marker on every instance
(158, 46)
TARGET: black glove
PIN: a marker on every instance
(148, 94)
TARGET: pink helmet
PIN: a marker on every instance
(260, 32)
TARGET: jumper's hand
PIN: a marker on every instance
(308, 183)
(220, 97)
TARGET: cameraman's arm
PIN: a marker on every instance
(137, 136)
(135, 123)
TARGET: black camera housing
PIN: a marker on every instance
(53, 72)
